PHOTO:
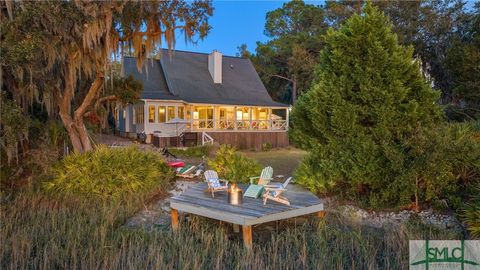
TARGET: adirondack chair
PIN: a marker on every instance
(256, 190)
(264, 178)
(273, 192)
(214, 183)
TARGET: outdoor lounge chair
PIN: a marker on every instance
(264, 178)
(256, 190)
(273, 192)
(191, 171)
(214, 183)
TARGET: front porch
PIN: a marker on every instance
(166, 122)
(158, 117)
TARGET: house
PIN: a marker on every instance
(207, 97)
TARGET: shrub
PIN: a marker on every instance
(471, 214)
(109, 173)
(266, 146)
(56, 133)
(14, 126)
(233, 166)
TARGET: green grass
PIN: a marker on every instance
(39, 232)
(283, 161)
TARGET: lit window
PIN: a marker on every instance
(161, 114)
(151, 114)
(171, 112)
(181, 112)
(243, 113)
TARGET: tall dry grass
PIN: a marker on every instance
(38, 232)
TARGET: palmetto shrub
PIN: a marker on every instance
(233, 166)
(471, 214)
(109, 173)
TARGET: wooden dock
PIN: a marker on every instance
(252, 211)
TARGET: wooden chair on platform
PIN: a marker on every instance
(214, 182)
(255, 190)
(265, 177)
(273, 192)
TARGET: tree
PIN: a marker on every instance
(462, 63)
(368, 100)
(430, 26)
(286, 60)
(65, 49)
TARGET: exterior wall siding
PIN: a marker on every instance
(249, 140)
(241, 140)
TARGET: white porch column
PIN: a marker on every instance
(269, 119)
(250, 111)
(190, 107)
(145, 118)
(235, 117)
(288, 118)
(214, 117)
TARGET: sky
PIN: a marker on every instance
(233, 23)
(236, 22)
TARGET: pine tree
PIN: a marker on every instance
(368, 101)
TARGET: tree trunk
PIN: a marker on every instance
(77, 132)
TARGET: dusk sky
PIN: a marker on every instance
(237, 22)
(233, 23)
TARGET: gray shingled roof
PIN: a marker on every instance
(154, 84)
(185, 76)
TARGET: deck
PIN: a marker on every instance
(252, 211)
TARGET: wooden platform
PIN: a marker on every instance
(252, 211)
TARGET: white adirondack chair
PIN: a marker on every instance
(214, 182)
(273, 192)
(264, 178)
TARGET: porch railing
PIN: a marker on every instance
(232, 125)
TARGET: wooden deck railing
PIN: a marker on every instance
(242, 125)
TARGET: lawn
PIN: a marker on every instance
(283, 161)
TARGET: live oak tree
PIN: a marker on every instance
(58, 53)
(368, 102)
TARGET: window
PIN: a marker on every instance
(203, 117)
(189, 111)
(151, 114)
(171, 112)
(259, 113)
(227, 114)
(243, 113)
(226, 118)
(161, 114)
(181, 112)
(139, 114)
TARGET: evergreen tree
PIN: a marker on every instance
(368, 102)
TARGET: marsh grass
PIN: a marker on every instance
(38, 232)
